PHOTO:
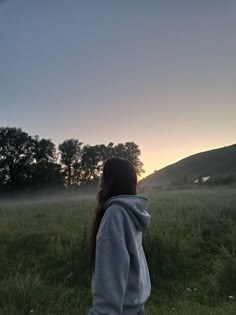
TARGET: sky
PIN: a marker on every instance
(159, 73)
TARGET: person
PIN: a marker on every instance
(118, 267)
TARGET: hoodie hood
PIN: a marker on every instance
(136, 206)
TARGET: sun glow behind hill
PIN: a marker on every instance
(156, 159)
(216, 162)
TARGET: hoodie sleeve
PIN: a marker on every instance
(111, 274)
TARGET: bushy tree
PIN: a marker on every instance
(16, 157)
(31, 162)
(70, 154)
(46, 174)
(130, 151)
(44, 149)
(90, 163)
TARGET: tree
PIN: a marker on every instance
(90, 163)
(46, 175)
(70, 154)
(45, 172)
(105, 152)
(31, 162)
(44, 150)
(16, 158)
(102, 153)
(130, 151)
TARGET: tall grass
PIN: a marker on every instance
(190, 247)
(191, 244)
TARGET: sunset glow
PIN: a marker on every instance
(160, 74)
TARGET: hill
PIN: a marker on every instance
(214, 163)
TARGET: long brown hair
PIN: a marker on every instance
(119, 177)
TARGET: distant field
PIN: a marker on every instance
(190, 247)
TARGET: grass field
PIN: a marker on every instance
(190, 248)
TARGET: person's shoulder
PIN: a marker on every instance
(113, 222)
(115, 211)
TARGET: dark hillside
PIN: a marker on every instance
(218, 162)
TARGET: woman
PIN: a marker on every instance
(120, 276)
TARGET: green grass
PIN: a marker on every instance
(190, 248)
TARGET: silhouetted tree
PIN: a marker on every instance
(31, 162)
(90, 163)
(46, 175)
(70, 153)
(93, 158)
(16, 157)
(130, 151)
(106, 151)
(45, 149)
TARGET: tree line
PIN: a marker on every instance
(31, 163)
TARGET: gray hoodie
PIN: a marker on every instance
(121, 282)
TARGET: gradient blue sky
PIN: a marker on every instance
(160, 73)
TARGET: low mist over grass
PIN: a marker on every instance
(190, 248)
